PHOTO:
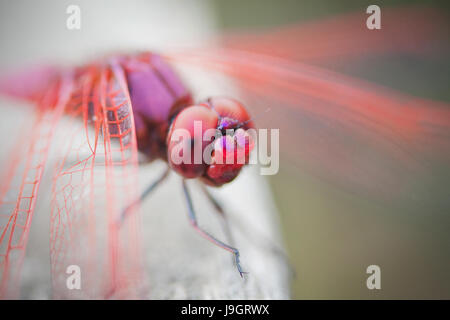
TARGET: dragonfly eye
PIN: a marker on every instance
(232, 114)
(226, 124)
(231, 151)
(210, 141)
(230, 154)
(185, 143)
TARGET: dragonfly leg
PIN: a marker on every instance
(144, 194)
(221, 212)
(206, 235)
(262, 241)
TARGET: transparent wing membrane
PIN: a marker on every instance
(20, 189)
(414, 30)
(94, 181)
(89, 135)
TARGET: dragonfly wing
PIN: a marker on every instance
(361, 136)
(94, 181)
(404, 29)
(21, 185)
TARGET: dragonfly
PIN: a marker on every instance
(119, 112)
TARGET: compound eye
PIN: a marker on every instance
(229, 156)
(231, 112)
(185, 140)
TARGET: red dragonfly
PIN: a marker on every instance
(121, 106)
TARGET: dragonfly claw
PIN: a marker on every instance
(238, 264)
(241, 273)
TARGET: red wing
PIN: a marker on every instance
(94, 181)
(405, 29)
(358, 135)
(20, 186)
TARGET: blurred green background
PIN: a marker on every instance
(332, 235)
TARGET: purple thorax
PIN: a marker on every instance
(154, 88)
(156, 92)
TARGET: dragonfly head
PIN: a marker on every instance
(211, 141)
